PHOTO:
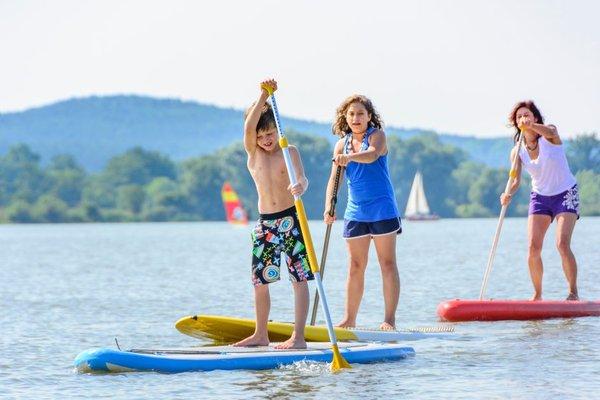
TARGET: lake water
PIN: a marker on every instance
(66, 288)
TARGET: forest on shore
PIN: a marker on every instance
(147, 185)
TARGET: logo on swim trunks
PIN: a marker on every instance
(269, 223)
(286, 224)
(572, 199)
(270, 273)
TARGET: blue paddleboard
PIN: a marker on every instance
(229, 358)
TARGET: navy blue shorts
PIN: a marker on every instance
(356, 229)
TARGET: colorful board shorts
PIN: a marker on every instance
(356, 229)
(567, 201)
(277, 237)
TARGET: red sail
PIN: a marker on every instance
(233, 206)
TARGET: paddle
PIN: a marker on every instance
(338, 361)
(511, 177)
(331, 212)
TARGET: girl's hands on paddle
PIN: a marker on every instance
(341, 160)
(328, 219)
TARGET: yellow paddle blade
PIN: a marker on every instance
(338, 362)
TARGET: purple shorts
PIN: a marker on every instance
(567, 201)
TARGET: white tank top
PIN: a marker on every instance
(550, 173)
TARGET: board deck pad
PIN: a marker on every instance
(231, 329)
(312, 346)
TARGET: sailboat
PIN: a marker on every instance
(417, 208)
(233, 206)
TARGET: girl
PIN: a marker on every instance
(554, 192)
(371, 212)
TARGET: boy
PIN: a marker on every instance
(276, 238)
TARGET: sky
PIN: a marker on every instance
(455, 66)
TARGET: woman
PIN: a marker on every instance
(554, 193)
(371, 212)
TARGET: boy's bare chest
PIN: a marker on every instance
(272, 169)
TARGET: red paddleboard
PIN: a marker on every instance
(499, 310)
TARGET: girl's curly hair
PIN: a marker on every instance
(340, 126)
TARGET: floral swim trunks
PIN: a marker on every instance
(567, 201)
(277, 237)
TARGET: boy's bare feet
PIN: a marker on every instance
(386, 326)
(293, 342)
(536, 297)
(573, 297)
(252, 341)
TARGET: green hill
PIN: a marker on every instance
(94, 129)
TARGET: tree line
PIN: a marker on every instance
(142, 185)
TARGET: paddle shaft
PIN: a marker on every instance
(511, 178)
(338, 360)
(331, 212)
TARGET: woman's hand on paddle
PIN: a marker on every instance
(525, 123)
(505, 198)
(328, 219)
(341, 159)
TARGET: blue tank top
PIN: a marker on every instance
(370, 193)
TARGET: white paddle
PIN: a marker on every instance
(511, 177)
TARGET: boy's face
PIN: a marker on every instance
(267, 139)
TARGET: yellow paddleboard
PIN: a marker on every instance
(231, 329)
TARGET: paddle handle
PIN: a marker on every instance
(331, 212)
(511, 178)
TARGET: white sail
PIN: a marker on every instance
(417, 202)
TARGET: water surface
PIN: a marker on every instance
(66, 288)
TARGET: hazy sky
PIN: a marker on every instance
(453, 66)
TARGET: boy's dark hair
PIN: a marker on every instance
(266, 120)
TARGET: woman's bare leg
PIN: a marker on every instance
(565, 223)
(536, 230)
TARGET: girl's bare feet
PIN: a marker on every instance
(386, 326)
(573, 297)
(346, 323)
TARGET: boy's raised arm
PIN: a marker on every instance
(254, 115)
